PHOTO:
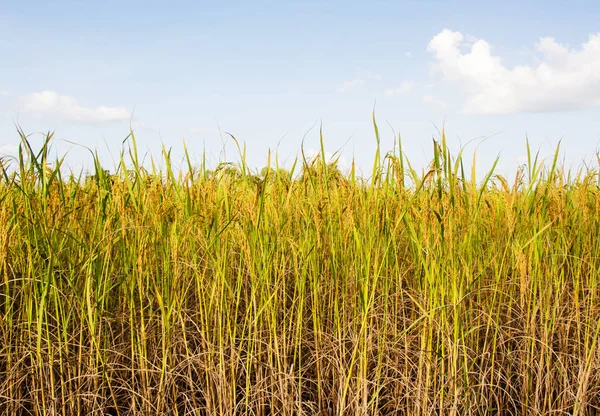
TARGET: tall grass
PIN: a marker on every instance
(305, 291)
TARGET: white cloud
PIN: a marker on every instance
(404, 87)
(433, 101)
(140, 125)
(50, 102)
(374, 75)
(559, 79)
(408, 54)
(350, 85)
(4, 93)
(8, 150)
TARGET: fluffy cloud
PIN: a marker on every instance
(350, 85)
(559, 79)
(50, 102)
(8, 150)
(404, 87)
(433, 101)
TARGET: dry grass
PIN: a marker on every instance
(295, 292)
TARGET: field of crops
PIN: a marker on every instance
(301, 291)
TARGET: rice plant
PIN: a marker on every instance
(301, 291)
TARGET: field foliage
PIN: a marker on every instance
(301, 291)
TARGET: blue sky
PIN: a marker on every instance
(269, 71)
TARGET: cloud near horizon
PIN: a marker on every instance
(50, 102)
(433, 101)
(559, 79)
(350, 85)
(8, 150)
(404, 87)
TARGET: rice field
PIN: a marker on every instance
(302, 291)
